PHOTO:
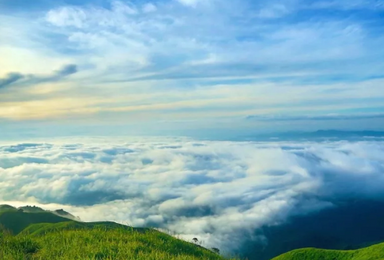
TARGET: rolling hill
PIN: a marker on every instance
(15, 222)
(32, 233)
(43, 235)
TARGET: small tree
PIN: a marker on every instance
(195, 240)
(216, 250)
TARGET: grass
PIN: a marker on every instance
(45, 236)
(100, 243)
(375, 252)
(37, 235)
(43, 228)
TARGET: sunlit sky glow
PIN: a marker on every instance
(190, 66)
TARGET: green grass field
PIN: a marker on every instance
(101, 243)
(46, 236)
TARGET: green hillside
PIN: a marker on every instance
(101, 243)
(17, 221)
(375, 252)
(37, 235)
(44, 235)
(7, 208)
(44, 228)
(31, 209)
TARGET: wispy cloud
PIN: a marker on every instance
(31, 79)
(10, 79)
(315, 118)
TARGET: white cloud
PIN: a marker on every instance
(217, 191)
(274, 11)
(124, 8)
(192, 3)
(67, 16)
(149, 7)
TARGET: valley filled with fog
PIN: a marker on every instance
(223, 192)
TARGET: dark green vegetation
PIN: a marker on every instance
(16, 221)
(375, 252)
(42, 235)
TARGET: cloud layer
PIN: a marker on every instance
(220, 192)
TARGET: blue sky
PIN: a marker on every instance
(181, 67)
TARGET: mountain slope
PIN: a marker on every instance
(7, 208)
(375, 252)
(100, 242)
(44, 228)
(37, 235)
(17, 221)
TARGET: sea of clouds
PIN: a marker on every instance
(217, 191)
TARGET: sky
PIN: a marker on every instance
(190, 67)
(81, 79)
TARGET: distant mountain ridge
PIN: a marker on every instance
(65, 214)
(35, 209)
(16, 220)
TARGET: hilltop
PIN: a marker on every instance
(33, 233)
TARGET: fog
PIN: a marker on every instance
(220, 192)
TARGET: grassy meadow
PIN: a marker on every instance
(45, 236)
(34, 234)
